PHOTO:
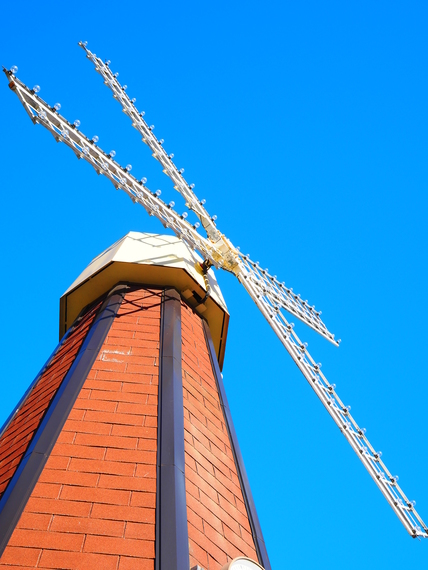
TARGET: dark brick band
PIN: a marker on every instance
(172, 541)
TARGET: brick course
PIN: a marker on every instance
(94, 504)
(17, 436)
(218, 528)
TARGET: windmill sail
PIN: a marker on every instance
(270, 296)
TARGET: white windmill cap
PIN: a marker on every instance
(152, 260)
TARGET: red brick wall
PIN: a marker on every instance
(94, 504)
(18, 435)
(218, 523)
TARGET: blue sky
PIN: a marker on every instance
(304, 125)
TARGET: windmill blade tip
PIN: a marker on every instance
(333, 340)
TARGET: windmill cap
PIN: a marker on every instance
(156, 261)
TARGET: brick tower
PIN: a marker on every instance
(122, 454)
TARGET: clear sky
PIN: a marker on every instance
(305, 127)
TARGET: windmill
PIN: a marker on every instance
(271, 296)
